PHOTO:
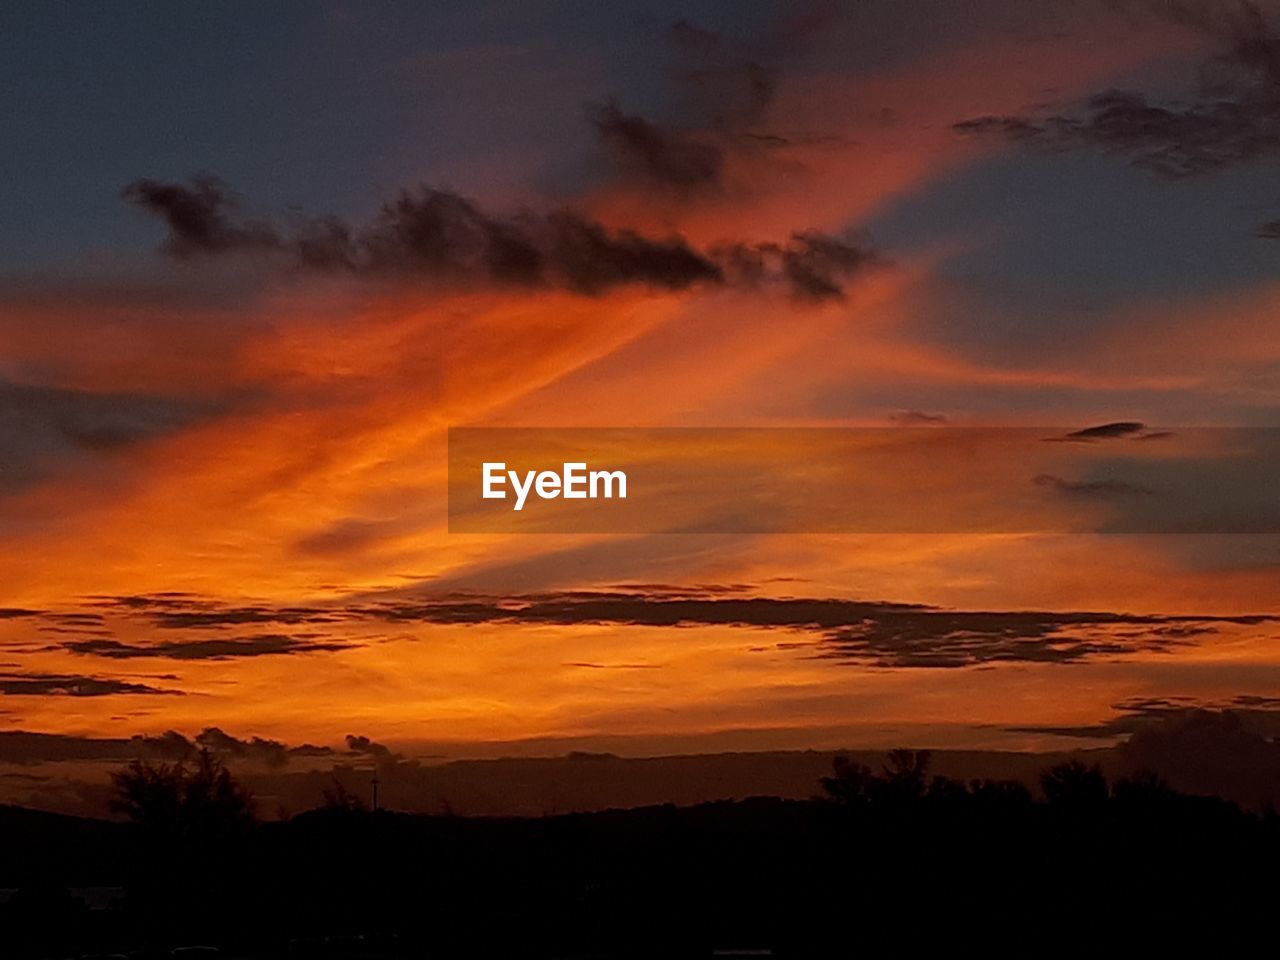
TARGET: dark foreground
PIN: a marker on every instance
(886, 862)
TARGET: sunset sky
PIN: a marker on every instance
(257, 260)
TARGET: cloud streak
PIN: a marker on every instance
(218, 648)
(875, 633)
(868, 632)
(72, 685)
(1091, 488)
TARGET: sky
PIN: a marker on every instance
(257, 260)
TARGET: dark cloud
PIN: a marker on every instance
(71, 685)
(1120, 428)
(735, 97)
(875, 633)
(1229, 748)
(1211, 752)
(217, 648)
(1009, 128)
(180, 611)
(814, 266)
(950, 639)
(594, 261)
(1258, 714)
(664, 156)
(272, 752)
(723, 95)
(434, 234)
(817, 264)
(1091, 488)
(1232, 116)
(158, 600)
(232, 616)
(440, 235)
(916, 418)
(362, 746)
(1169, 141)
(726, 102)
(200, 216)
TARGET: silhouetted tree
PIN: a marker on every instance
(903, 764)
(902, 781)
(762, 870)
(1143, 789)
(947, 791)
(1001, 795)
(1075, 788)
(339, 798)
(904, 775)
(202, 801)
(192, 823)
(849, 784)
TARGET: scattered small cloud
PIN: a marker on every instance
(362, 746)
(917, 418)
(1119, 430)
(1091, 488)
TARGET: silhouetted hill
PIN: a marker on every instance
(75, 851)
(893, 851)
(580, 782)
(1202, 752)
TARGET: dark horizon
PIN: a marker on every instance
(762, 875)
(1227, 753)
